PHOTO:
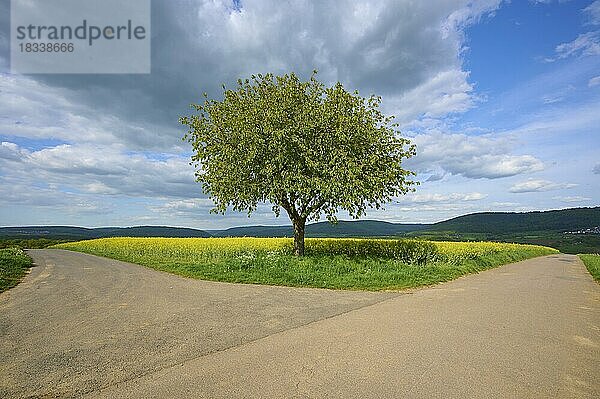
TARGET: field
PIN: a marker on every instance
(13, 265)
(365, 264)
(592, 262)
(565, 243)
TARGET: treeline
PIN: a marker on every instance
(510, 222)
(29, 243)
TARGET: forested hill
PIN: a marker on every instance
(490, 223)
(358, 228)
(507, 222)
(82, 233)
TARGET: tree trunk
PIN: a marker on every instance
(299, 225)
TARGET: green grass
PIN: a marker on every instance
(592, 262)
(13, 266)
(351, 266)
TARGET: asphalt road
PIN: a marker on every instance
(86, 326)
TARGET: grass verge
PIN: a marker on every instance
(267, 261)
(592, 262)
(13, 266)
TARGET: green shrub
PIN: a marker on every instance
(13, 264)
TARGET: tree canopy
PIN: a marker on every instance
(303, 147)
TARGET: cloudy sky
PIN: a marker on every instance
(501, 98)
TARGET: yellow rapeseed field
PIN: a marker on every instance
(472, 250)
(182, 247)
(216, 247)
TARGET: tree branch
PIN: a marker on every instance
(310, 209)
(289, 207)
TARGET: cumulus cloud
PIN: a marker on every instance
(101, 170)
(11, 151)
(538, 185)
(470, 156)
(446, 92)
(496, 166)
(108, 136)
(385, 47)
(36, 110)
(43, 198)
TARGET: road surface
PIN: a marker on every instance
(83, 326)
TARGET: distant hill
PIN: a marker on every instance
(509, 222)
(358, 228)
(253, 231)
(361, 228)
(82, 233)
(489, 223)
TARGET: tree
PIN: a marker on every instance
(301, 146)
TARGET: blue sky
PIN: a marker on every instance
(501, 98)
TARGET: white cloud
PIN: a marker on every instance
(11, 151)
(415, 212)
(435, 197)
(187, 204)
(99, 130)
(470, 156)
(445, 93)
(593, 13)
(198, 212)
(585, 44)
(538, 185)
(387, 47)
(496, 166)
(505, 204)
(471, 13)
(101, 170)
(13, 193)
(99, 188)
(572, 199)
(595, 81)
(35, 110)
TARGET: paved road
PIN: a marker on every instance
(85, 326)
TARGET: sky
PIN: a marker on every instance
(501, 98)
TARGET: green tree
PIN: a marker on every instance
(301, 146)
